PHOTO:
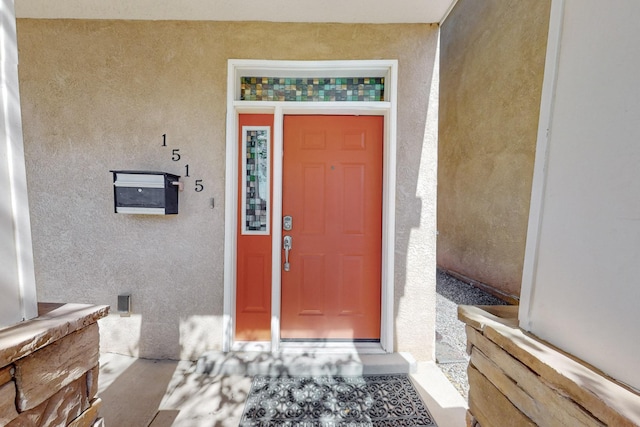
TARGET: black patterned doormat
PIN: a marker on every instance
(363, 401)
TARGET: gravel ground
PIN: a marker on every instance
(451, 340)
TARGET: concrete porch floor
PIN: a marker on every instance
(161, 393)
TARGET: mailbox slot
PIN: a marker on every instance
(145, 192)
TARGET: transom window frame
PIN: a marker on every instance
(238, 68)
(318, 89)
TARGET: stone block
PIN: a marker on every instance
(8, 409)
(546, 408)
(528, 391)
(477, 317)
(471, 420)
(489, 406)
(508, 314)
(49, 369)
(606, 400)
(6, 374)
(92, 382)
(88, 417)
(27, 337)
(63, 407)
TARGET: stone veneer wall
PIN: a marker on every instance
(518, 380)
(49, 368)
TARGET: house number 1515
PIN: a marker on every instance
(176, 156)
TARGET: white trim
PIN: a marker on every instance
(276, 273)
(388, 109)
(448, 12)
(387, 318)
(144, 211)
(331, 347)
(243, 222)
(230, 217)
(301, 69)
(538, 186)
(346, 107)
(16, 216)
(139, 180)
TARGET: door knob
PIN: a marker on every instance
(286, 245)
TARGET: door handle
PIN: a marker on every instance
(286, 244)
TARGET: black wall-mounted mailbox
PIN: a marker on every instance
(145, 192)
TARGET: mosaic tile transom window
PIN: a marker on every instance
(256, 141)
(312, 89)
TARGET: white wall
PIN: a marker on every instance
(580, 282)
(17, 282)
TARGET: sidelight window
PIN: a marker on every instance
(255, 197)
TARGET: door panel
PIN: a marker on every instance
(353, 220)
(351, 291)
(256, 298)
(313, 194)
(253, 256)
(332, 187)
(312, 285)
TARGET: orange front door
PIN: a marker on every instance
(332, 190)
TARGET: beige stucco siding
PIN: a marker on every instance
(492, 61)
(99, 95)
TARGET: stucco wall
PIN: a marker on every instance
(580, 287)
(492, 61)
(99, 95)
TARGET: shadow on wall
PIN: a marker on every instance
(190, 337)
(416, 205)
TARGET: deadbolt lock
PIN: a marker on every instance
(287, 223)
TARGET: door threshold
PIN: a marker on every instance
(331, 347)
(306, 363)
(311, 347)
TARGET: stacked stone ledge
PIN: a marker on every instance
(49, 368)
(516, 379)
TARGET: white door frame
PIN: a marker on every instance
(388, 109)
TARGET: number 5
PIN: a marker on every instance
(175, 156)
(199, 186)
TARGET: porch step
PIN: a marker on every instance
(306, 364)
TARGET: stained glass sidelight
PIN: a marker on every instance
(255, 198)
